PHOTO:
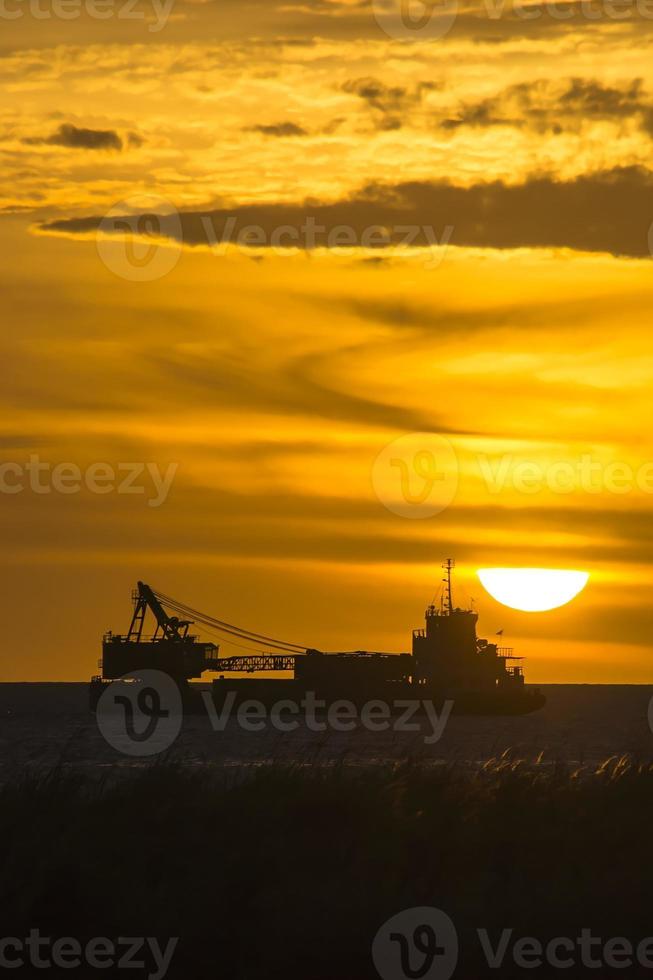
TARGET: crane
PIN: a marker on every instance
(174, 649)
(167, 627)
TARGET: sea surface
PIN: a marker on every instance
(45, 726)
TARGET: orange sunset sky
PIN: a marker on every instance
(272, 378)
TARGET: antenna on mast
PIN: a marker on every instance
(447, 598)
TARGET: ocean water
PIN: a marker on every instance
(44, 726)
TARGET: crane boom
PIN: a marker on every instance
(171, 627)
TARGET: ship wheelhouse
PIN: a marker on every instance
(448, 655)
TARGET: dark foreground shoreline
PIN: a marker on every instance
(291, 871)
(262, 856)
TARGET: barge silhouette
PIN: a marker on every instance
(448, 662)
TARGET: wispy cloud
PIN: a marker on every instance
(281, 130)
(79, 139)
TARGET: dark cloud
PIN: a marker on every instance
(390, 104)
(497, 22)
(279, 24)
(80, 139)
(556, 106)
(299, 389)
(610, 211)
(280, 130)
(333, 126)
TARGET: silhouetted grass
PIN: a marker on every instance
(289, 872)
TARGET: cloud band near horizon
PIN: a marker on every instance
(608, 211)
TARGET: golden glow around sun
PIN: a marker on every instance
(532, 589)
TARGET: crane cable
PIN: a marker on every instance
(229, 628)
(208, 622)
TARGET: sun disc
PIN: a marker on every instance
(532, 589)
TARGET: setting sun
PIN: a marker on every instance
(532, 589)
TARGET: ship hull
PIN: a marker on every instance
(519, 701)
(522, 702)
(271, 693)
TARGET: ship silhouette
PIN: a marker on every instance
(448, 662)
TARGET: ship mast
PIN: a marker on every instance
(447, 596)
